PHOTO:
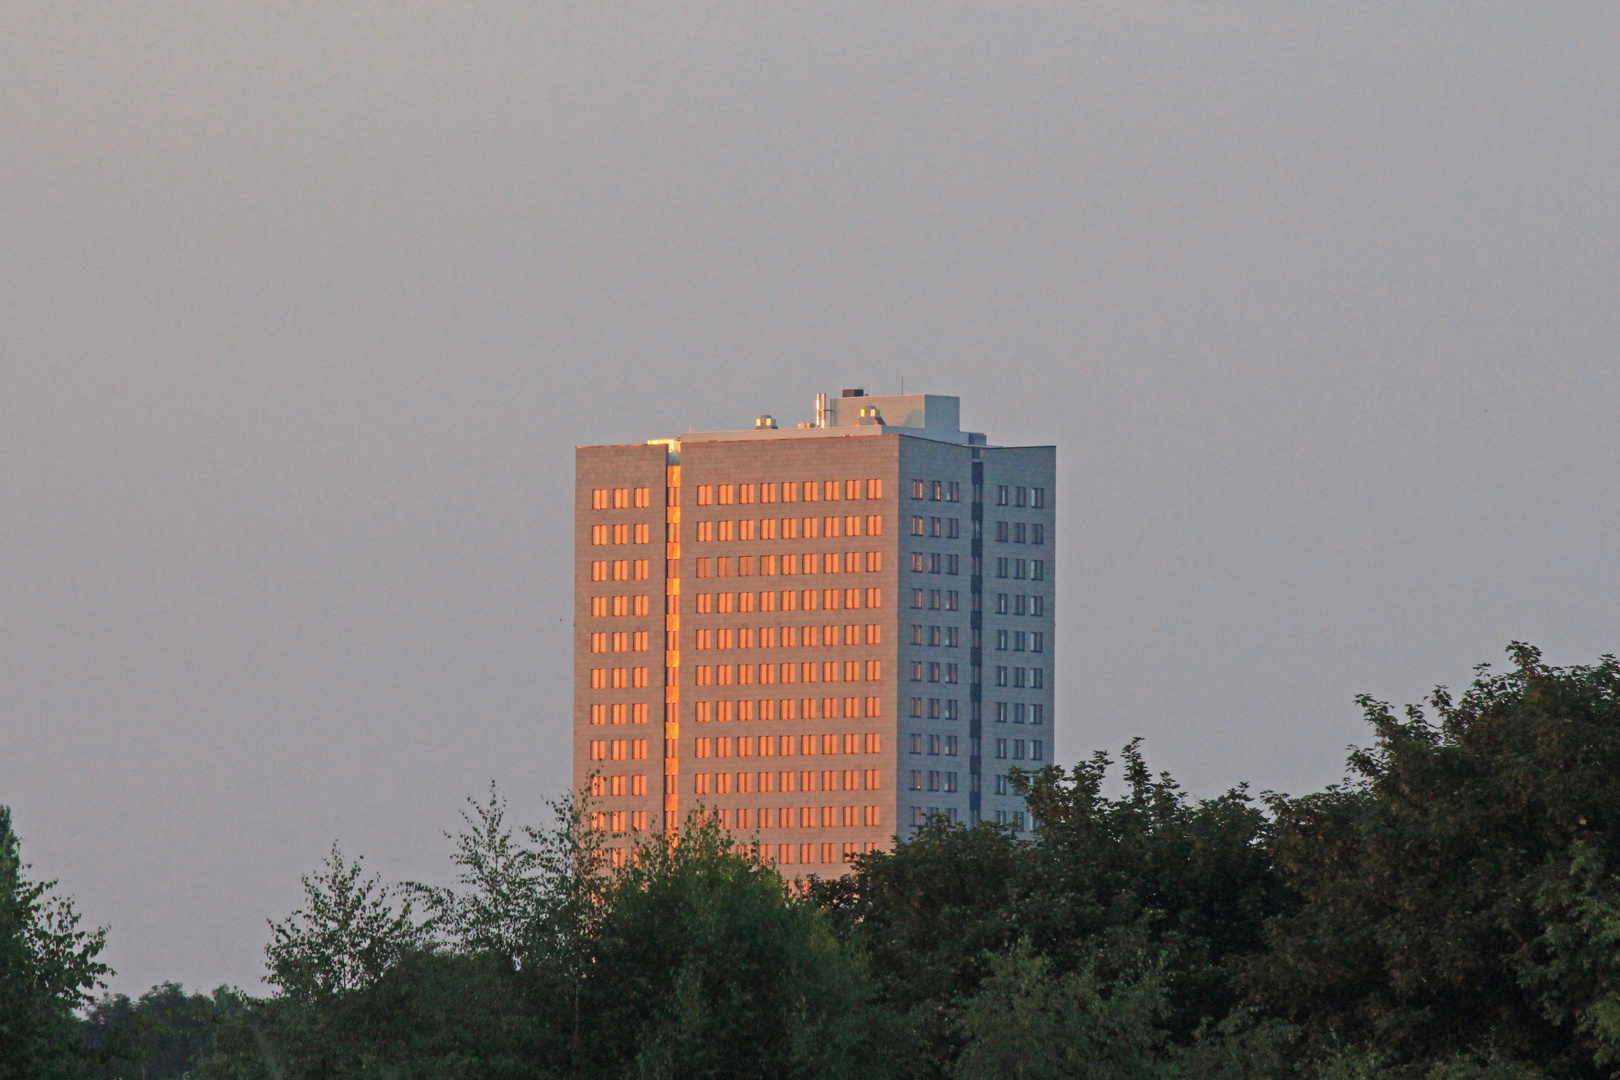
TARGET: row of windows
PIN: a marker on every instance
(789, 637)
(1020, 604)
(935, 780)
(935, 672)
(1018, 532)
(617, 749)
(934, 745)
(937, 708)
(949, 528)
(919, 814)
(619, 605)
(770, 782)
(790, 600)
(1020, 640)
(1034, 678)
(814, 491)
(791, 709)
(937, 490)
(947, 636)
(619, 498)
(602, 786)
(603, 820)
(1015, 818)
(1033, 569)
(802, 817)
(621, 534)
(850, 742)
(618, 678)
(623, 641)
(784, 854)
(809, 671)
(1035, 747)
(933, 562)
(828, 562)
(936, 599)
(617, 713)
(1018, 711)
(766, 528)
(1021, 496)
(619, 570)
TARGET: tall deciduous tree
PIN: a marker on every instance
(48, 968)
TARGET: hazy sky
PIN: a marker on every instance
(303, 307)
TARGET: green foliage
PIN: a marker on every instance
(1029, 1023)
(1457, 901)
(710, 965)
(162, 1035)
(48, 968)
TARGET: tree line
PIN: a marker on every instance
(1451, 911)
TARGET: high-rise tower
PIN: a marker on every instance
(821, 634)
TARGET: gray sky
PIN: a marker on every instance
(304, 306)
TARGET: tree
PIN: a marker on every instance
(708, 964)
(162, 1035)
(48, 968)
(1457, 898)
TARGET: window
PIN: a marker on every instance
(916, 598)
(641, 569)
(933, 745)
(1020, 496)
(1037, 605)
(1018, 568)
(953, 528)
(1020, 641)
(1002, 492)
(1001, 640)
(1001, 676)
(599, 606)
(599, 571)
(953, 564)
(728, 494)
(1037, 678)
(916, 744)
(919, 562)
(1001, 532)
(950, 781)
(950, 747)
(933, 599)
(1001, 783)
(933, 780)
(1018, 749)
(1037, 714)
(1001, 604)
(1037, 570)
(952, 673)
(1037, 642)
(874, 489)
(916, 527)
(916, 779)
(916, 489)
(916, 671)
(1020, 533)
(950, 709)
(1018, 676)
(599, 499)
(952, 600)
(938, 492)
(599, 643)
(1001, 567)
(1001, 749)
(933, 635)
(874, 526)
(1037, 498)
(705, 495)
(642, 498)
(1018, 713)
(1037, 533)
(916, 707)
(1036, 750)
